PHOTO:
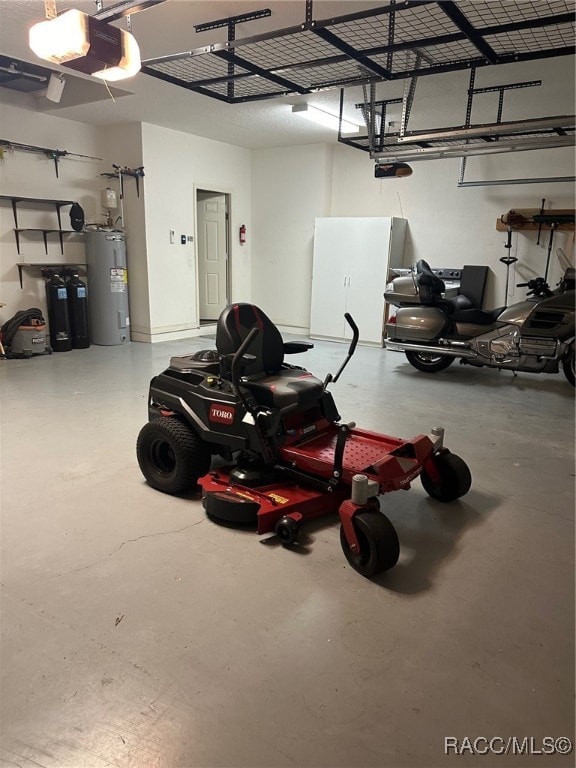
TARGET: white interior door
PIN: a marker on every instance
(212, 254)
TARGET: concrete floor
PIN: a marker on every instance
(136, 633)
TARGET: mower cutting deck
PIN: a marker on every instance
(292, 458)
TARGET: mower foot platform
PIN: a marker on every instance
(391, 462)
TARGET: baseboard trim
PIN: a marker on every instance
(155, 338)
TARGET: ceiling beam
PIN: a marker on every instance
(457, 17)
(352, 53)
(397, 154)
(124, 8)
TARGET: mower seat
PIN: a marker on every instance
(271, 382)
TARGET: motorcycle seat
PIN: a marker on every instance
(477, 316)
(460, 302)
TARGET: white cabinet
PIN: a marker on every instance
(352, 256)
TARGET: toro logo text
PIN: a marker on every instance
(221, 414)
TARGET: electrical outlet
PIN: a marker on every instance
(171, 237)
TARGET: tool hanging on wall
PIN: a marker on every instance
(540, 223)
(53, 154)
(508, 260)
(553, 224)
(553, 220)
(119, 173)
(563, 219)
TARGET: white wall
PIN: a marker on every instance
(33, 175)
(277, 193)
(447, 225)
(290, 187)
(121, 145)
(450, 226)
(161, 277)
(176, 164)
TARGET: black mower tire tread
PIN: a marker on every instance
(379, 545)
(187, 457)
(568, 364)
(440, 364)
(455, 478)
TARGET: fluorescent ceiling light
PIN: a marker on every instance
(326, 119)
(86, 44)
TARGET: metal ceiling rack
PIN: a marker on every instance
(463, 140)
(371, 46)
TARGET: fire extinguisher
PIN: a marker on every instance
(58, 317)
(242, 234)
(78, 309)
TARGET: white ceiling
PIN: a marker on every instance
(169, 28)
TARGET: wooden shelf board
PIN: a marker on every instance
(39, 200)
(531, 226)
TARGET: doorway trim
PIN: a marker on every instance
(227, 192)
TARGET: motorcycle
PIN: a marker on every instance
(535, 335)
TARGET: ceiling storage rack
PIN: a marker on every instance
(373, 45)
(38, 202)
(398, 41)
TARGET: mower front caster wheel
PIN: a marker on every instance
(287, 529)
(378, 540)
(452, 478)
(171, 455)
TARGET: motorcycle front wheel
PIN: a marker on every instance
(568, 364)
(429, 362)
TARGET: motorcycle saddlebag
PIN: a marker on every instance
(416, 324)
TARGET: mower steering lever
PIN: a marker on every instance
(355, 336)
(343, 433)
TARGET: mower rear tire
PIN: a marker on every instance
(171, 455)
(378, 540)
(429, 362)
(454, 478)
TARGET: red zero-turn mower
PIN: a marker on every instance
(291, 459)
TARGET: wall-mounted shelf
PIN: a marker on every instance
(534, 220)
(45, 233)
(39, 202)
(43, 264)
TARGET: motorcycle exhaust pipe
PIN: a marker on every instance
(398, 346)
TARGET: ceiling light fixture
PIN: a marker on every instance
(327, 119)
(86, 44)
